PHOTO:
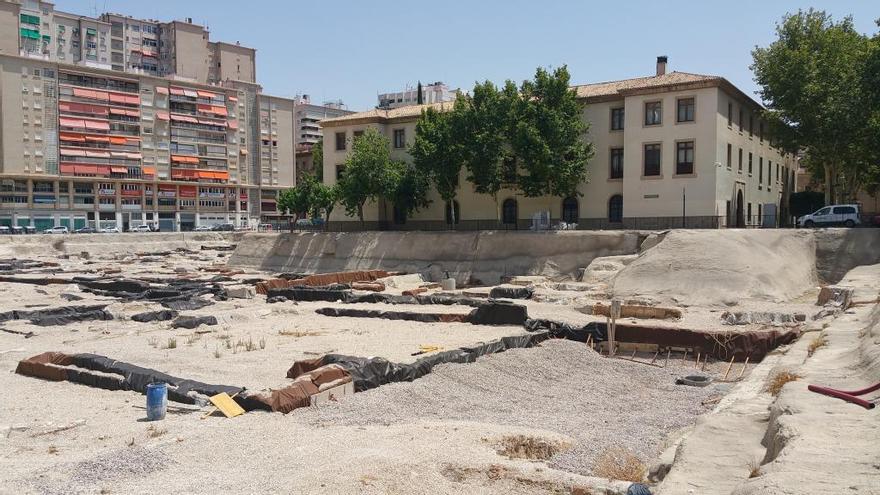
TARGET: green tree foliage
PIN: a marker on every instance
(408, 188)
(484, 119)
(323, 201)
(812, 81)
(547, 136)
(318, 159)
(436, 150)
(805, 202)
(369, 173)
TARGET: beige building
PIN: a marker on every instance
(178, 49)
(85, 144)
(667, 147)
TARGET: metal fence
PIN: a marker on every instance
(627, 223)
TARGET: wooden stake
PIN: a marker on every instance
(633, 357)
(743, 370)
(705, 362)
(697, 362)
(668, 352)
(728, 369)
(685, 358)
(655, 356)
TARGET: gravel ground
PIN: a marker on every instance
(559, 386)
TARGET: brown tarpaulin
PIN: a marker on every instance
(754, 345)
(322, 279)
(46, 366)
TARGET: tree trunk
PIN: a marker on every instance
(361, 214)
(828, 184)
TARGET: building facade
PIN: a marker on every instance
(176, 49)
(671, 149)
(431, 93)
(84, 144)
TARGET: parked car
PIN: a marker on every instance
(85, 230)
(17, 229)
(847, 215)
(223, 227)
(109, 230)
(5, 230)
(141, 228)
(203, 228)
(58, 229)
(30, 230)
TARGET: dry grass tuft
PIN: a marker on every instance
(754, 468)
(617, 463)
(297, 333)
(821, 340)
(172, 343)
(524, 447)
(774, 386)
(154, 432)
(52, 449)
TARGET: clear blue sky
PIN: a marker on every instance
(354, 49)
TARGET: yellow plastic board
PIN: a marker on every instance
(226, 405)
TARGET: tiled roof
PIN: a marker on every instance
(612, 88)
(596, 90)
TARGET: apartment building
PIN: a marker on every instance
(431, 93)
(308, 129)
(670, 149)
(177, 49)
(82, 144)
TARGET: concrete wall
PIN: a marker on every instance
(9, 24)
(24, 246)
(468, 256)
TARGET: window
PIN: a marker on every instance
(686, 110)
(749, 214)
(760, 169)
(741, 116)
(750, 163)
(615, 209)
(777, 172)
(729, 156)
(684, 161)
(570, 210)
(759, 213)
(617, 119)
(340, 172)
(358, 134)
(844, 210)
(740, 168)
(769, 171)
(761, 131)
(616, 163)
(399, 138)
(751, 125)
(730, 115)
(822, 212)
(508, 211)
(450, 209)
(653, 113)
(340, 141)
(652, 160)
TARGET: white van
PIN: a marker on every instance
(847, 215)
(58, 229)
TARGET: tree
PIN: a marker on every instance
(298, 200)
(318, 159)
(408, 188)
(369, 173)
(547, 136)
(812, 82)
(484, 117)
(324, 199)
(436, 150)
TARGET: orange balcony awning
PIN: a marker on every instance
(118, 140)
(98, 139)
(149, 170)
(162, 90)
(119, 170)
(97, 125)
(184, 159)
(206, 94)
(177, 91)
(67, 168)
(232, 124)
(77, 138)
(115, 98)
(72, 152)
(68, 122)
(218, 110)
(162, 115)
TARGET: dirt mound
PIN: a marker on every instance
(722, 267)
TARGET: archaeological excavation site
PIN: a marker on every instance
(700, 362)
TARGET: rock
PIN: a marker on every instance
(839, 297)
(241, 292)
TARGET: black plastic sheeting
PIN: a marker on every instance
(391, 315)
(329, 293)
(160, 290)
(499, 313)
(137, 378)
(191, 322)
(58, 316)
(558, 330)
(370, 373)
(162, 315)
(511, 292)
(377, 297)
(187, 304)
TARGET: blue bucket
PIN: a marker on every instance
(157, 401)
